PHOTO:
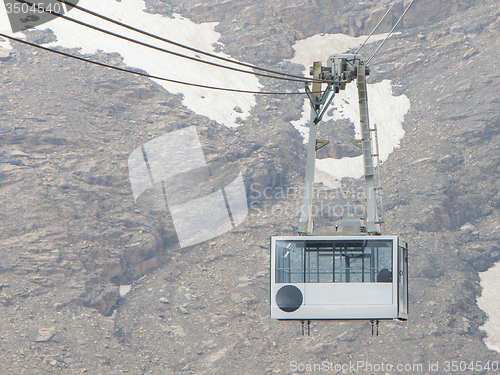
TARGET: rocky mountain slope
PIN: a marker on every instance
(70, 233)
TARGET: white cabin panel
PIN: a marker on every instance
(348, 294)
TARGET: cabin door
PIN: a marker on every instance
(403, 282)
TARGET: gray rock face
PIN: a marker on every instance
(71, 233)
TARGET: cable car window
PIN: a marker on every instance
(339, 261)
(289, 262)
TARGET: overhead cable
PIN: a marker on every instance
(148, 75)
(300, 79)
(374, 29)
(390, 32)
(95, 14)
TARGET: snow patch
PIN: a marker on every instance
(4, 20)
(489, 302)
(319, 47)
(124, 290)
(6, 29)
(216, 105)
(386, 111)
(5, 44)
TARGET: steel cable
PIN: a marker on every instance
(162, 49)
(95, 14)
(148, 75)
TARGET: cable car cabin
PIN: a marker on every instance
(339, 278)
